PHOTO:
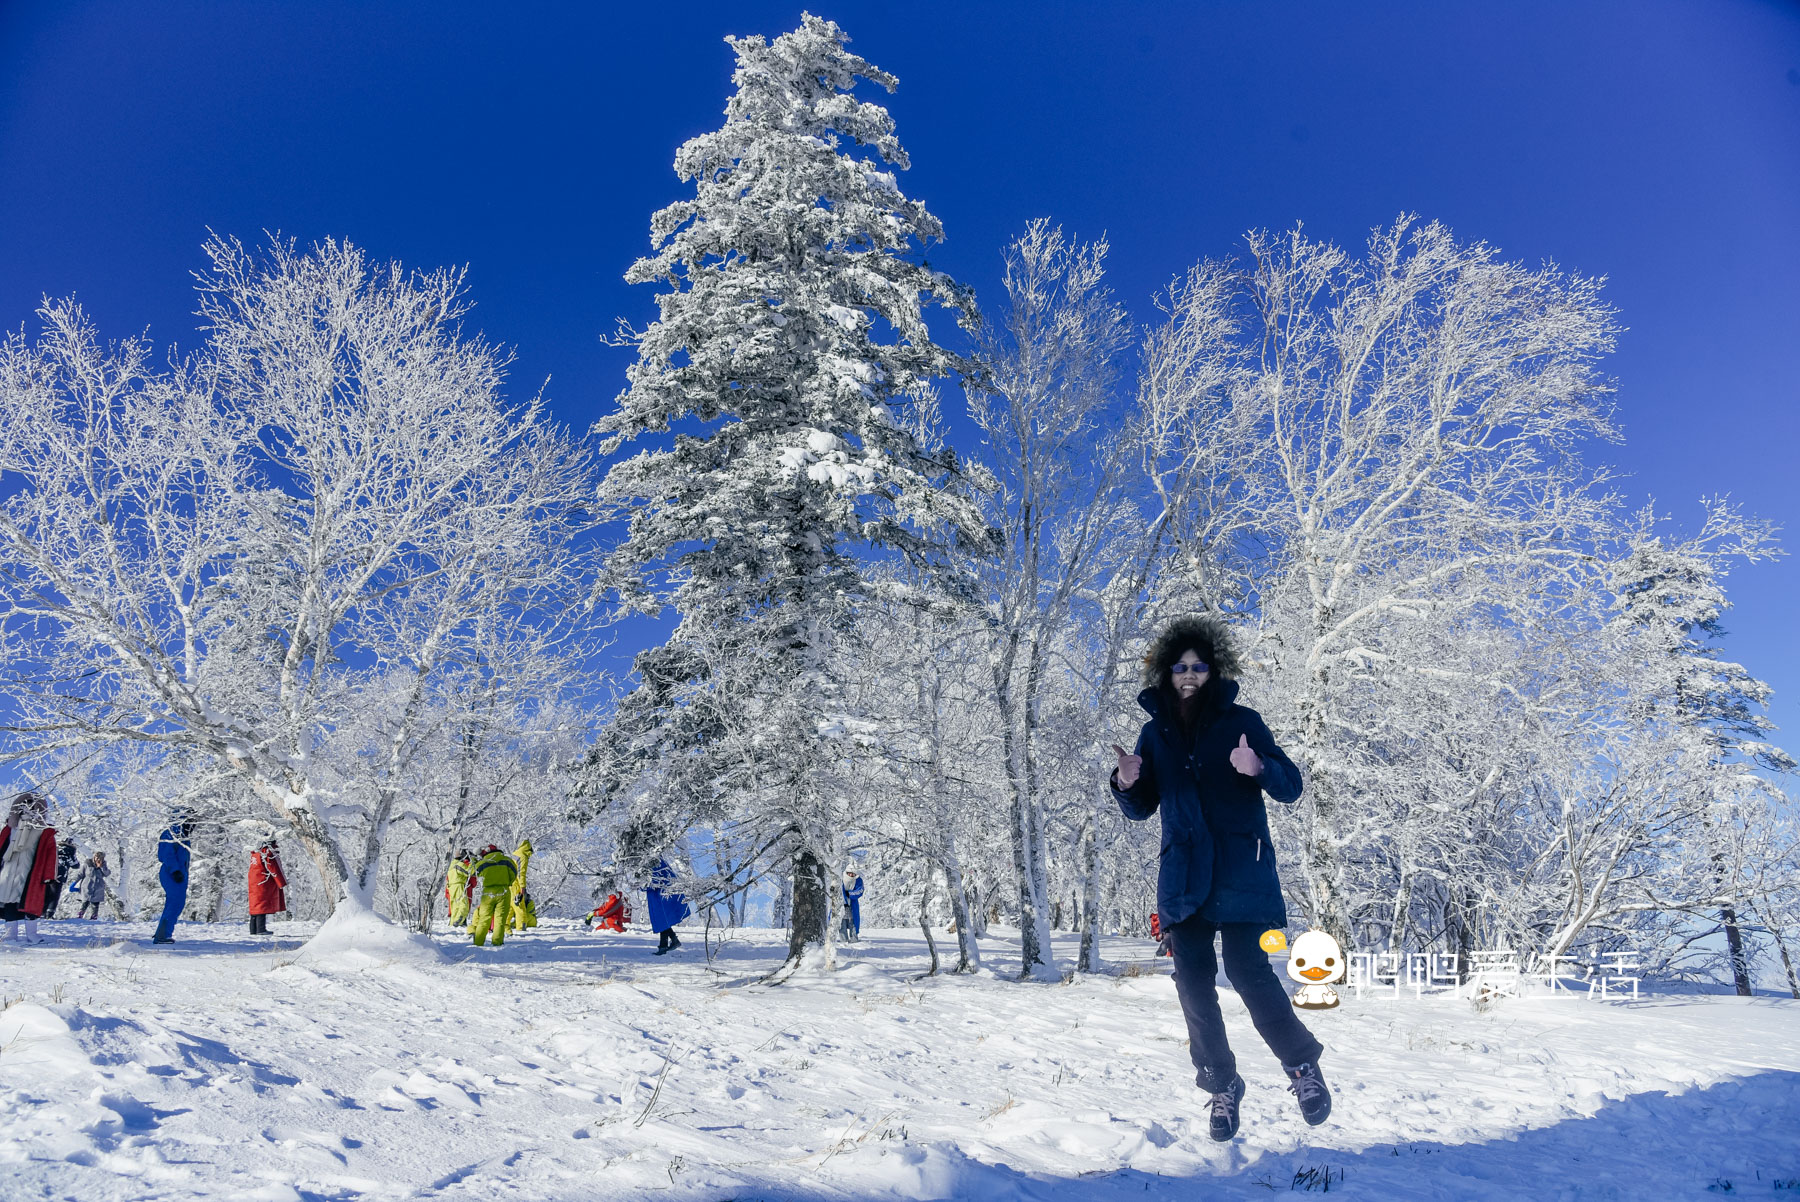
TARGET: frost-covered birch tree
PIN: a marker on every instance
(1058, 454)
(235, 558)
(1421, 411)
(1374, 464)
(790, 341)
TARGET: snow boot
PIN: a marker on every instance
(1225, 1114)
(1308, 1088)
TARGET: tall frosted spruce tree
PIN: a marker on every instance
(790, 349)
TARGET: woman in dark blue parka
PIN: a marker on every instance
(1206, 762)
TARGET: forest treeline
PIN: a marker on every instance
(320, 575)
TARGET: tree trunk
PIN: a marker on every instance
(1320, 867)
(1034, 928)
(1089, 960)
(322, 850)
(1038, 918)
(968, 952)
(1786, 962)
(925, 923)
(811, 924)
(120, 899)
(1034, 933)
(315, 840)
(1319, 863)
(781, 911)
(215, 885)
(1734, 942)
(1397, 926)
(1461, 937)
(1734, 937)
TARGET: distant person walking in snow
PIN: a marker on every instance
(268, 887)
(67, 861)
(496, 872)
(667, 908)
(174, 851)
(90, 882)
(853, 891)
(27, 865)
(1206, 761)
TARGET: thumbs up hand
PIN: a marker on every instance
(1129, 767)
(1244, 759)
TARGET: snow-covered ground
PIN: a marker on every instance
(575, 1066)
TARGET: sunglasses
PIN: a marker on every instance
(1178, 669)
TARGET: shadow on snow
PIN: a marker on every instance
(1648, 1145)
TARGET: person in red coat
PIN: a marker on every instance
(27, 865)
(268, 887)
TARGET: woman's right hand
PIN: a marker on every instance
(1129, 767)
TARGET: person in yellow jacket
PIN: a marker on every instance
(524, 910)
(456, 887)
(496, 872)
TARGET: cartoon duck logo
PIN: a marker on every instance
(1315, 962)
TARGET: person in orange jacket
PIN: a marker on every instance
(611, 916)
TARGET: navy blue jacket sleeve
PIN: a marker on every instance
(1140, 801)
(1280, 779)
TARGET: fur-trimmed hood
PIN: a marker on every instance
(1208, 635)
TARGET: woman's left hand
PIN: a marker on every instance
(1244, 759)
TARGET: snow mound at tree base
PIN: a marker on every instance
(39, 1043)
(356, 937)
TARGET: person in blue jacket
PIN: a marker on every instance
(174, 850)
(667, 908)
(853, 891)
(1206, 762)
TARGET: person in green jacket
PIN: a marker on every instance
(456, 887)
(496, 872)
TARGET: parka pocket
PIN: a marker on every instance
(1249, 861)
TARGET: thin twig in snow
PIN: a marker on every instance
(668, 1061)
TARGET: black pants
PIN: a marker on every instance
(666, 940)
(1247, 966)
(52, 897)
(259, 924)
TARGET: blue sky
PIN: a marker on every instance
(1655, 143)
